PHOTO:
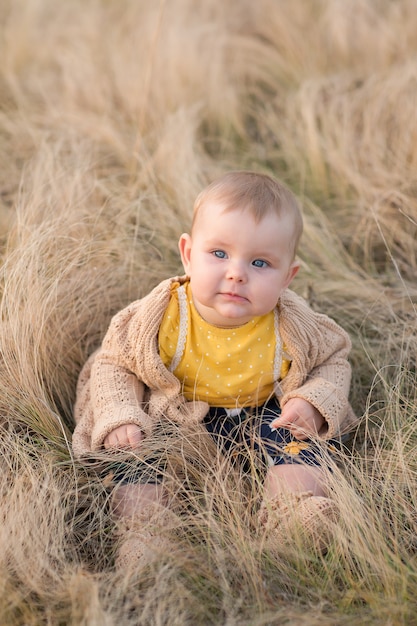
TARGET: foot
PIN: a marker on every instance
(145, 537)
(302, 516)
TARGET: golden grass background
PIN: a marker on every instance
(113, 115)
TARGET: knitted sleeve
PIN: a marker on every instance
(109, 392)
(118, 383)
(118, 398)
(320, 371)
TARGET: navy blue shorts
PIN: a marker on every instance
(242, 431)
(238, 434)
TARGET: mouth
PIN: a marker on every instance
(234, 297)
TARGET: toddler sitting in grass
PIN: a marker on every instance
(228, 345)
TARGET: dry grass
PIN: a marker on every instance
(113, 115)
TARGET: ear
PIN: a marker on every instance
(294, 267)
(184, 245)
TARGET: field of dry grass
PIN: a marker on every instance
(113, 115)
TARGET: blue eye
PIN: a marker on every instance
(259, 263)
(220, 254)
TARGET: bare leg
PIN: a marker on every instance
(143, 522)
(294, 478)
(295, 499)
(132, 499)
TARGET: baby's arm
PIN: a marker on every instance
(320, 373)
(301, 418)
(110, 391)
(117, 400)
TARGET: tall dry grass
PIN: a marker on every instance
(113, 115)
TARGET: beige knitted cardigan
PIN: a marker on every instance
(125, 381)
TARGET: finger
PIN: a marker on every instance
(135, 436)
(301, 435)
(110, 441)
(286, 417)
(280, 423)
(301, 430)
(290, 414)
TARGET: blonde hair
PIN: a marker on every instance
(259, 194)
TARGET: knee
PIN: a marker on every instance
(294, 478)
(130, 499)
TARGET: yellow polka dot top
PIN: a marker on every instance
(226, 367)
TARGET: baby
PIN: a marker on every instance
(228, 345)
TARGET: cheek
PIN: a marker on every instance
(208, 271)
(202, 278)
(269, 290)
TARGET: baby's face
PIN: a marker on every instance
(238, 267)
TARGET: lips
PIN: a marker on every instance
(234, 297)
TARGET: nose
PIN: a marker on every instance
(236, 271)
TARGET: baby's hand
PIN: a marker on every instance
(301, 418)
(126, 436)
